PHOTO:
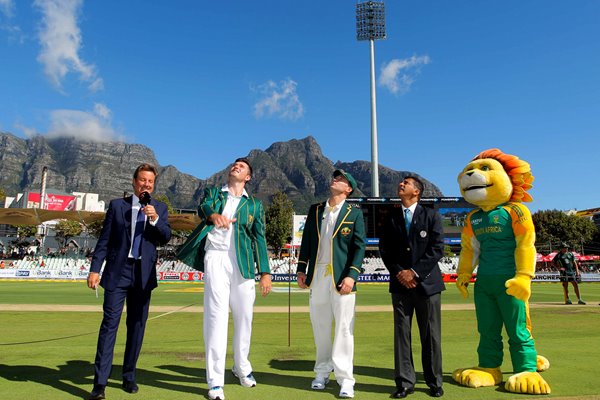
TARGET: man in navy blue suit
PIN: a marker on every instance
(132, 229)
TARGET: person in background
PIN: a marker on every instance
(568, 269)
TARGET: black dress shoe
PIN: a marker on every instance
(130, 387)
(97, 393)
(401, 393)
(436, 391)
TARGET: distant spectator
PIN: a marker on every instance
(2, 266)
(569, 272)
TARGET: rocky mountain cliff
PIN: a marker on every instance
(296, 167)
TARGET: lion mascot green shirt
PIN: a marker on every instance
(499, 238)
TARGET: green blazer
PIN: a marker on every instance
(249, 234)
(348, 243)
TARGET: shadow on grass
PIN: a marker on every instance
(70, 377)
(359, 371)
(75, 374)
(66, 378)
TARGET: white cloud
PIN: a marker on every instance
(61, 42)
(399, 74)
(27, 131)
(102, 111)
(7, 12)
(7, 7)
(279, 100)
(85, 125)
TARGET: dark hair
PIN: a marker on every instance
(245, 161)
(145, 167)
(418, 183)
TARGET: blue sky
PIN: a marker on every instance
(204, 82)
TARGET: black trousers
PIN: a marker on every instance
(428, 312)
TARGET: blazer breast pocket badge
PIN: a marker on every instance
(423, 234)
(345, 231)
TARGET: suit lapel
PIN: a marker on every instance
(417, 214)
(127, 204)
(223, 199)
(344, 212)
(241, 204)
(319, 217)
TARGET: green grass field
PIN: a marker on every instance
(50, 354)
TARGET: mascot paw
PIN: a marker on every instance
(542, 363)
(519, 287)
(477, 377)
(527, 382)
(462, 282)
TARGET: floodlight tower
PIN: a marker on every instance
(370, 25)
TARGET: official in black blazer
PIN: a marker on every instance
(129, 274)
(411, 246)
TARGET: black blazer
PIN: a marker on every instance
(420, 250)
(115, 241)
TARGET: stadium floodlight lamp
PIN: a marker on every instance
(370, 20)
(370, 25)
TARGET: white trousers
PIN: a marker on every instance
(224, 289)
(327, 306)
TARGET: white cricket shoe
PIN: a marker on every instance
(347, 391)
(319, 383)
(216, 393)
(245, 381)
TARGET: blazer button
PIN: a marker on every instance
(408, 249)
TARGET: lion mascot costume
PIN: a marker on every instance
(499, 237)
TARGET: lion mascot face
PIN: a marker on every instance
(494, 178)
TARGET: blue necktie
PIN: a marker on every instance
(407, 219)
(136, 248)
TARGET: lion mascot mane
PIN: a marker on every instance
(499, 238)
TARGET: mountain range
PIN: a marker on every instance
(296, 167)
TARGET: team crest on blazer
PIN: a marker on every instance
(423, 234)
(345, 231)
(250, 218)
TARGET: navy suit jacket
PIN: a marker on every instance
(115, 242)
(420, 250)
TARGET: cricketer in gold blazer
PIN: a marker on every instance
(348, 243)
(249, 234)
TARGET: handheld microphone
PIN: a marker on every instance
(145, 199)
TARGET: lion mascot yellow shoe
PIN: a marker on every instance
(499, 237)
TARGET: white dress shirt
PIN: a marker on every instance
(222, 238)
(330, 216)
(135, 209)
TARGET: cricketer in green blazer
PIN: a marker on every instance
(348, 243)
(249, 233)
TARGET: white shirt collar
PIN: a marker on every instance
(225, 188)
(411, 208)
(336, 208)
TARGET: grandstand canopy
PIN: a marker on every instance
(36, 216)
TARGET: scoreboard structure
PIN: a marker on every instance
(376, 211)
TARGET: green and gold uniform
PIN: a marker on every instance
(491, 237)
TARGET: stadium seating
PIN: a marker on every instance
(371, 265)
